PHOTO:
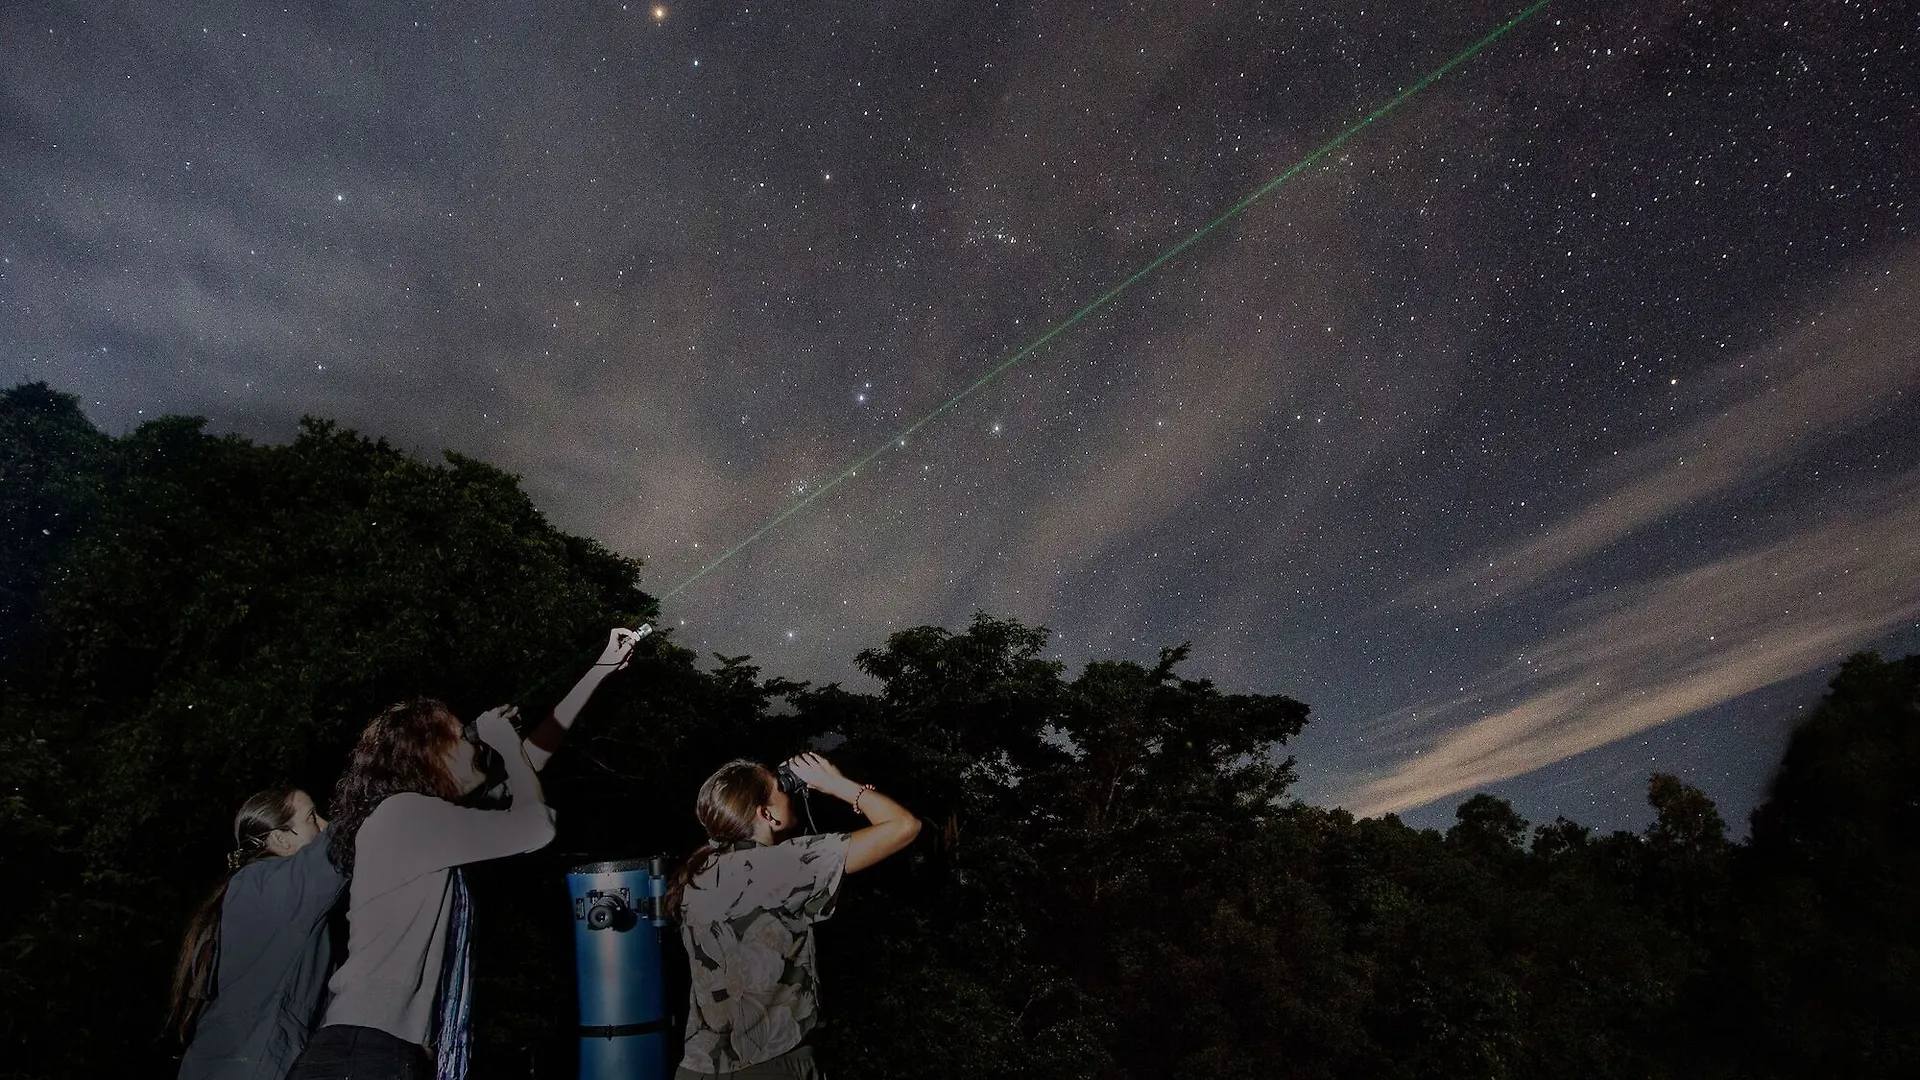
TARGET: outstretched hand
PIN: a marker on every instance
(620, 643)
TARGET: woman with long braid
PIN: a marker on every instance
(253, 967)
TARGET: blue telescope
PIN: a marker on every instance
(619, 929)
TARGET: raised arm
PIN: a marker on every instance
(497, 731)
(543, 741)
(422, 833)
(892, 826)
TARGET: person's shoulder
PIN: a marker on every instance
(804, 851)
(813, 845)
(809, 840)
(403, 811)
(402, 803)
(316, 857)
(255, 875)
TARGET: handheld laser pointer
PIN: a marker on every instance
(496, 772)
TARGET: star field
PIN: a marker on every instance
(1553, 430)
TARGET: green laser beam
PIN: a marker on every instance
(899, 438)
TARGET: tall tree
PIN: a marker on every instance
(1823, 972)
(52, 462)
(224, 618)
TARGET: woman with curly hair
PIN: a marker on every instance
(400, 1005)
(253, 967)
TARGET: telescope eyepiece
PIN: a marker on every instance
(609, 911)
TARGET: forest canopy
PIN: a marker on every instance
(1114, 881)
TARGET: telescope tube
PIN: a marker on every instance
(619, 930)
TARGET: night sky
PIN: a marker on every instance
(1555, 429)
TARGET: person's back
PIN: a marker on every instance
(401, 903)
(746, 903)
(747, 923)
(269, 956)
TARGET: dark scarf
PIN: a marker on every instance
(454, 1037)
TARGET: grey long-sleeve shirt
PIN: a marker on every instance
(402, 896)
(272, 968)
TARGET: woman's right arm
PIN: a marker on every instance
(892, 826)
(524, 826)
(523, 780)
(298, 889)
(315, 882)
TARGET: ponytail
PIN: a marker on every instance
(695, 865)
(194, 972)
(725, 807)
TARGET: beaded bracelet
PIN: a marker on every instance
(864, 788)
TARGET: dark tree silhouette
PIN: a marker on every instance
(1113, 883)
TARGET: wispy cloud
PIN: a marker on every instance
(1654, 651)
(1678, 646)
(1833, 373)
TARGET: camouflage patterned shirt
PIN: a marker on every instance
(747, 922)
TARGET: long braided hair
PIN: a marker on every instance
(725, 807)
(261, 816)
(400, 750)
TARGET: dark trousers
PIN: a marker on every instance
(348, 1052)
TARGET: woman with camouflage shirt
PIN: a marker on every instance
(746, 902)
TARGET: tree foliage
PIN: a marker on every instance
(1113, 881)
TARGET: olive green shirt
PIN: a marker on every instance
(747, 922)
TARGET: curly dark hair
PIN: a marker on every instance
(400, 750)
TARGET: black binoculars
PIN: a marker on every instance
(486, 758)
(788, 782)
